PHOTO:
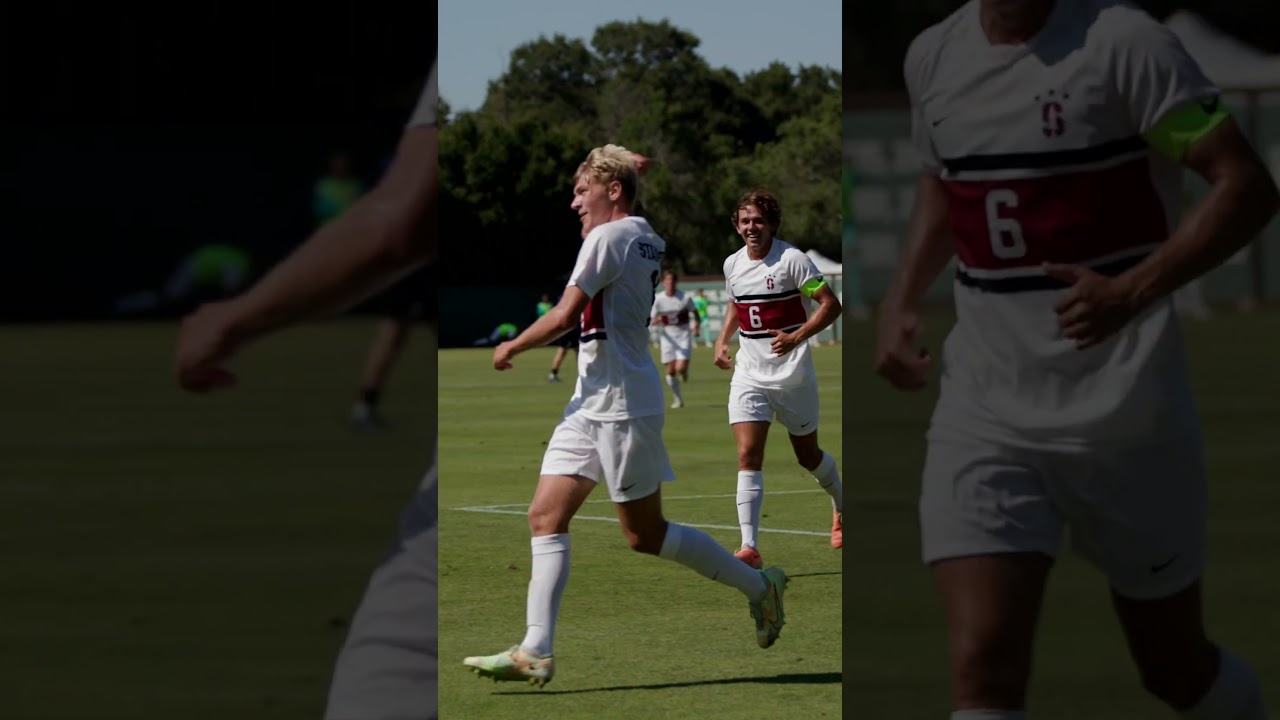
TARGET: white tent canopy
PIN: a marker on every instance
(826, 265)
(1229, 63)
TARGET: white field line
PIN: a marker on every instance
(501, 510)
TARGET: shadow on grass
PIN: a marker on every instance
(787, 679)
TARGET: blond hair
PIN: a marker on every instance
(609, 163)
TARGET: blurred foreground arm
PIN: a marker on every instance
(383, 237)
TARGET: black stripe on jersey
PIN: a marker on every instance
(1034, 283)
(1045, 160)
(757, 336)
(599, 335)
(769, 296)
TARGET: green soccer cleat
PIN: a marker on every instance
(768, 611)
(514, 665)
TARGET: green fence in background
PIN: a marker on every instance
(878, 151)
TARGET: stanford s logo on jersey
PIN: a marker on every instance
(768, 282)
(1051, 113)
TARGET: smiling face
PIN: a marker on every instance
(756, 221)
(594, 202)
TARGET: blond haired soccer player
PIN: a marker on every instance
(1054, 137)
(611, 431)
(769, 282)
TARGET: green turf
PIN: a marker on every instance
(175, 557)
(638, 636)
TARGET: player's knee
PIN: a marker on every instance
(986, 674)
(750, 458)
(547, 520)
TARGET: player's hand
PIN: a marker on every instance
(502, 355)
(206, 340)
(723, 359)
(784, 343)
(899, 357)
(1094, 308)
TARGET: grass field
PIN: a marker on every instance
(638, 636)
(176, 557)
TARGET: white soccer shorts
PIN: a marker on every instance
(628, 455)
(676, 350)
(388, 664)
(796, 408)
(1138, 514)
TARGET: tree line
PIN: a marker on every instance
(506, 168)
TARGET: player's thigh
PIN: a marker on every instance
(749, 404)
(670, 349)
(1139, 514)
(983, 498)
(633, 457)
(573, 450)
(797, 409)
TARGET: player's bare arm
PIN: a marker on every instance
(728, 326)
(387, 234)
(827, 312)
(1241, 200)
(559, 320)
(926, 254)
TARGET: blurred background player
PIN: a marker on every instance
(387, 666)
(677, 320)
(700, 304)
(209, 273)
(611, 431)
(500, 334)
(767, 281)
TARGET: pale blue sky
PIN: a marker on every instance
(476, 36)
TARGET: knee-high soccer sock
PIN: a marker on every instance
(828, 476)
(695, 549)
(549, 575)
(989, 715)
(673, 382)
(750, 498)
(1234, 695)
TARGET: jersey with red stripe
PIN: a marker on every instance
(1041, 150)
(672, 314)
(618, 268)
(766, 295)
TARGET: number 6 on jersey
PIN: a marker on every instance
(753, 316)
(1006, 234)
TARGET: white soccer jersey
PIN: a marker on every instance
(673, 313)
(1041, 150)
(766, 295)
(618, 268)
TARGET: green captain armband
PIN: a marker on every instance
(811, 287)
(1179, 130)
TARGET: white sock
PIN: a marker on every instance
(1234, 695)
(695, 549)
(989, 715)
(750, 498)
(549, 575)
(673, 382)
(828, 477)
